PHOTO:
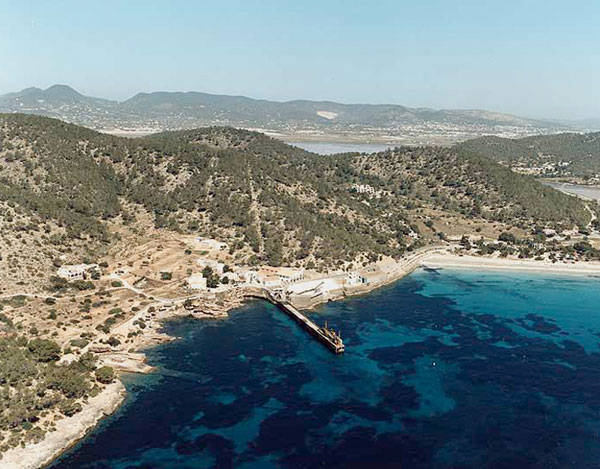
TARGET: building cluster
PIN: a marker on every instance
(199, 282)
(546, 169)
(266, 277)
(273, 277)
(287, 280)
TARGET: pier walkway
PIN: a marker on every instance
(325, 336)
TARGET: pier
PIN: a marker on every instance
(327, 337)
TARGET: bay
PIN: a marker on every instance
(445, 368)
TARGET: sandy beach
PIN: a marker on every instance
(439, 257)
(438, 260)
(69, 430)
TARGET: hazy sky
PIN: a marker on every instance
(533, 58)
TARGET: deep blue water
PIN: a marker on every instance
(442, 369)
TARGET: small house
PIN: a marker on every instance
(76, 272)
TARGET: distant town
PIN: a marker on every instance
(148, 113)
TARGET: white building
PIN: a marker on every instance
(270, 281)
(196, 282)
(216, 266)
(250, 276)
(76, 272)
(262, 278)
(354, 278)
(208, 244)
(271, 277)
(315, 287)
(285, 274)
(363, 188)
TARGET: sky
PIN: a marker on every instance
(530, 58)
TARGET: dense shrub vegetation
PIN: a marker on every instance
(35, 389)
(286, 205)
(579, 152)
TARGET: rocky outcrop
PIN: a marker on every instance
(128, 362)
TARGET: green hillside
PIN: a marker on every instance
(578, 153)
(64, 186)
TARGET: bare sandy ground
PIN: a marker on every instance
(68, 431)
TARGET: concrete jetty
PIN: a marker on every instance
(325, 336)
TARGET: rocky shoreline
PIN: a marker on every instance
(69, 431)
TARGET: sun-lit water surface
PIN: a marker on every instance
(330, 148)
(443, 369)
(587, 192)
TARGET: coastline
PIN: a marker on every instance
(387, 273)
(506, 264)
(69, 431)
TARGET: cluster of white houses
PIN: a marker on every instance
(267, 277)
(273, 277)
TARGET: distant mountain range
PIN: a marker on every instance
(301, 119)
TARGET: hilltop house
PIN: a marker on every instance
(363, 188)
(76, 272)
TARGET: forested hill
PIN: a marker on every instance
(66, 187)
(567, 154)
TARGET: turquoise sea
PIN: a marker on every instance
(445, 368)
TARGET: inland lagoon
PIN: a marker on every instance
(444, 368)
(331, 148)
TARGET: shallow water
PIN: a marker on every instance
(330, 148)
(442, 369)
(588, 192)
